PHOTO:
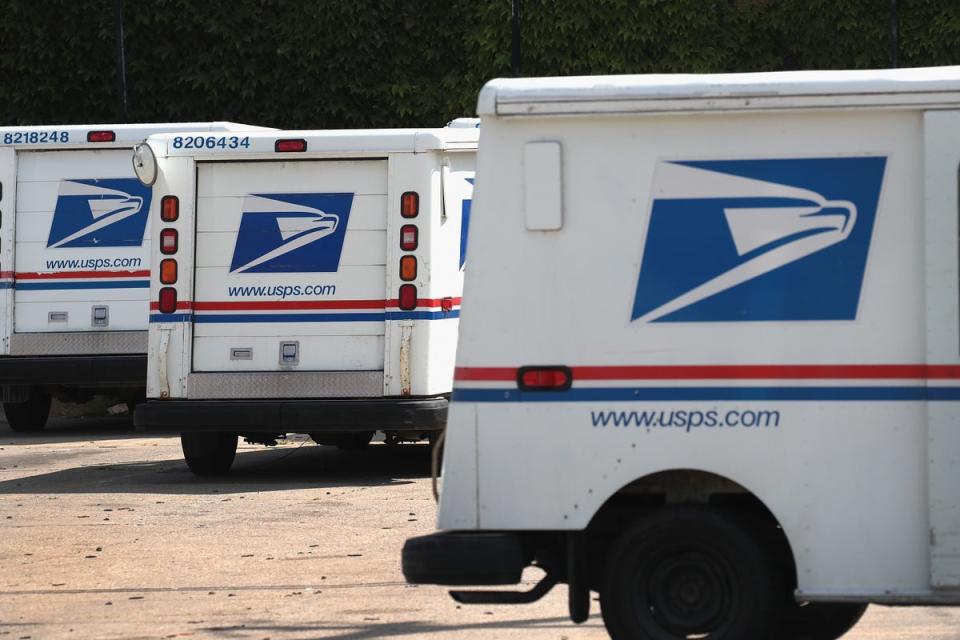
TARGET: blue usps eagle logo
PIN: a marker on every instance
(758, 240)
(465, 223)
(291, 233)
(105, 212)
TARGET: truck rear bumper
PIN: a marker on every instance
(297, 416)
(75, 371)
(462, 558)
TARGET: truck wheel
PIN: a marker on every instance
(354, 441)
(30, 415)
(209, 454)
(822, 620)
(690, 571)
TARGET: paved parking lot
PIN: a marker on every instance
(105, 534)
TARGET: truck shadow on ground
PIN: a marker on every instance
(73, 429)
(400, 629)
(287, 467)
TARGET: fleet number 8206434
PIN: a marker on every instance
(211, 142)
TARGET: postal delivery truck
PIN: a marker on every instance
(74, 264)
(709, 364)
(308, 283)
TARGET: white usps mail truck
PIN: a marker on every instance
(710, 364)
(310, 283)
(74, 263)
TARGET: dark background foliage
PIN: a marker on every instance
(372, 63)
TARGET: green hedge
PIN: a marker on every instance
(366, 63)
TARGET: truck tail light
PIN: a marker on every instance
(408, 297)
(168, 300)
(410, 204)
(168, 241)
(547, 378)
(288, 146)
(101, 136)
(409, 237)
(168, 271)
(408, 268)
(169, 208)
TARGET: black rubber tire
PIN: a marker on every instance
(691, 570)
(209, 453)
(465, 558)
(354, 441)
(30, 415)
(821, 620)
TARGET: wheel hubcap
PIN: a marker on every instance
(687, 593)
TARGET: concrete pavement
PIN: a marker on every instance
(105, 534)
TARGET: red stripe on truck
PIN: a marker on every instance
(255, 305)
(426, 302)
(181, 304)
(774, 371)
(735, 372)
(486, 374)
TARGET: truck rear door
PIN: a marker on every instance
(82, 252)
(290, 266)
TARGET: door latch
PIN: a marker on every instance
(100, 316)
(289, 353)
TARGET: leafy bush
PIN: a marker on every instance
(366, 63)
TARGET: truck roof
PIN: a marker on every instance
(125, 135)
(338, 141)
(928, 87)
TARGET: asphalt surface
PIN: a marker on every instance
(106, 534)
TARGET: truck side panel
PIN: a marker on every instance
(8, 219)
(421, 343)
(677, 385)
(171, 334)
(941, 161)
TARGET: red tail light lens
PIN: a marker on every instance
(168, 241)
(168, 300)
(169, 208)
(287, 146)
(549, 378)
(168, 271)
(409, 237)
(408, 297)
(410, 204)
(101, 136)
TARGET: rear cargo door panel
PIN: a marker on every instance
(290, 252)
(81, 242)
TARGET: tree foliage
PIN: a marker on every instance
(379, 63)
